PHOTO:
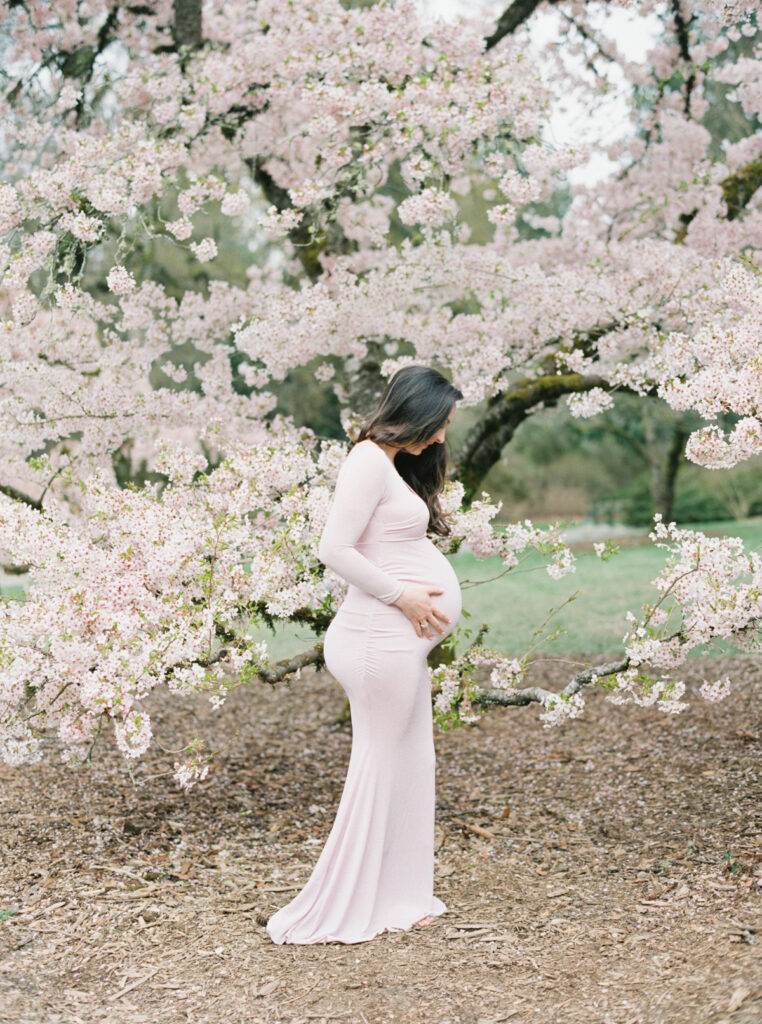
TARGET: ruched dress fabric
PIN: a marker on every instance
(376, 870)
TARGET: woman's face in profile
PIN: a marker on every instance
(438, 438)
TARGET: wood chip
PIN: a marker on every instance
(104, 932)
(738, 997)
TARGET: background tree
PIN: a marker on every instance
(150, 149)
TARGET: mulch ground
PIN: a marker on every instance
(607, 872)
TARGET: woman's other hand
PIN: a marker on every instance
(415, 602)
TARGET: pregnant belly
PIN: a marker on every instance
(418, 562)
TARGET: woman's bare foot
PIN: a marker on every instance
(426, 920)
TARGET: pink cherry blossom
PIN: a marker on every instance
(120, 281)
(364, 145)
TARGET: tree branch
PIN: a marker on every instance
(308, 245)
(591, 39)
(519, 12)
(740, 186)
(536, 693)
(15, 570)
(11, 492)
(484, 443)
(271, 674)
(682, 28)
(737, 190)
(278, 671)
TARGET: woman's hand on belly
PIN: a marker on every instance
(415, 602)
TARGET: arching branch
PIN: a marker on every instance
(484, 443)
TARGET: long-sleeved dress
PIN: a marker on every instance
(376, 870)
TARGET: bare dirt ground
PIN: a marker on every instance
(608, 872)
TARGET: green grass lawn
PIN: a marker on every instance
(514, 605)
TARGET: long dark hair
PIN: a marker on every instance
(415, 404)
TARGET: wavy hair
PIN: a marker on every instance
(414, 405)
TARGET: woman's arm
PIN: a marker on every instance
(360, 485)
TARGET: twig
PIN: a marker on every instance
(135, 984)
(299, 995)
(122, 871)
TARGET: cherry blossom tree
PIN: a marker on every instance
(340, 146)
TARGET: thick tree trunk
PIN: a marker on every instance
(364, 382)
(309, 241)
(664, 469)
(186, 27)
(737, 190)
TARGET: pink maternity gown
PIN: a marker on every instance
(376, 870)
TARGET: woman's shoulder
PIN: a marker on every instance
(366, 455)
(368, 450)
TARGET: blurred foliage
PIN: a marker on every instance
(560, 467)
(702, 496)
(694, 502)
(309, 402)
(724, 118)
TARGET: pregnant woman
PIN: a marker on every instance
(376, 870)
